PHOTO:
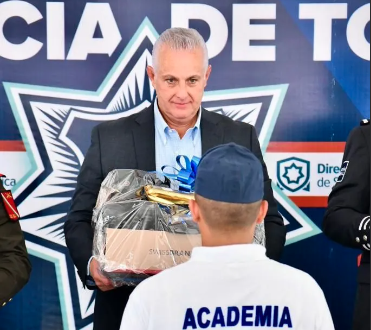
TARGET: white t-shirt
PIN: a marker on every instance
(234, 287)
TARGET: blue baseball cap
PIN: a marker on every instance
(230, 173)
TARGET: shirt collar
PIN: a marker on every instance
(229, 254)
(162, 127)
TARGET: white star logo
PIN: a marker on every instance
(49, 120)
(293, 174)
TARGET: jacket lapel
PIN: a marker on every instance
(212, 133)
(144, 140)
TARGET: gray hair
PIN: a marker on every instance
(180, 39)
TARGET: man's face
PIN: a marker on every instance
(179, 81)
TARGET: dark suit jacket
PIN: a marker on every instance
(349, 201)
(130, 143)
(15, 267)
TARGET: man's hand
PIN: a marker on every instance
(102, 282)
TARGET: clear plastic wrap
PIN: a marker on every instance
(142, 227)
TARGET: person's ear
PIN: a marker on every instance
(208, 73)
(195, 210)
(263, 209)
(151, 75)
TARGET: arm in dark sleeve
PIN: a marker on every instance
(15, 267)
(275, 229)
(346, 220)
(78, 229)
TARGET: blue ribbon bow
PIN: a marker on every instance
(186, 176)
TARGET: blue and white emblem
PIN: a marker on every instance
(293, 174)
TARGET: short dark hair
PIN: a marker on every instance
(227, 216)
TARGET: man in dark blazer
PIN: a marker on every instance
(347, 219)
(15, 266)
(174, 124)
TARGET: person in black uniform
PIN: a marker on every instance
(15, 266)
(347, 219)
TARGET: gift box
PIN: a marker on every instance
(141, 226)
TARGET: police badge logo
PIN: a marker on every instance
(293, 174)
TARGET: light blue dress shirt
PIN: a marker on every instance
(169, 145)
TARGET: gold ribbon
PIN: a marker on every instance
(167, 196)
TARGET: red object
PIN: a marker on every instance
(313, 147)
(12, 146)
(9, 205)
(310, 201)
(359, 258)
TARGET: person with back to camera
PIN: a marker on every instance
(229, 281)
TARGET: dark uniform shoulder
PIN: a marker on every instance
(365, 128)
(359, 133)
